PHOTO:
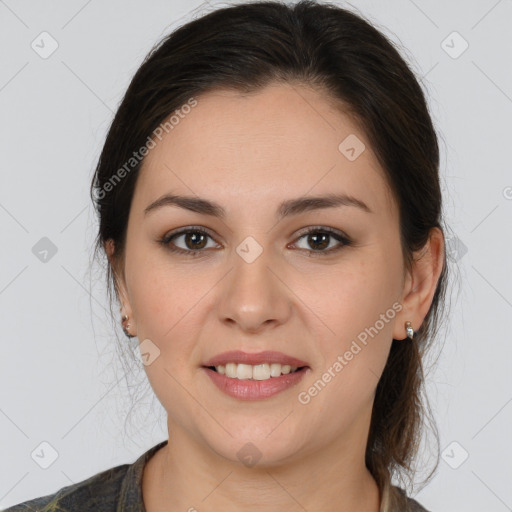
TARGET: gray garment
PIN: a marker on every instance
(118, 489)
(412, 505)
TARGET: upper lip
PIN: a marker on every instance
(268, 356)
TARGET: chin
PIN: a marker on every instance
(255, 448)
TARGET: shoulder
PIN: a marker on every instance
(99, 492)
(117, 488)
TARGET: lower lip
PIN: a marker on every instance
(249, 389)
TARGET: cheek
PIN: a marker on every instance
(359, 297)
(357, 306)
(163, 297)
(165, 302)
(170, 305)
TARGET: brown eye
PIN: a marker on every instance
(323, 241)
(195, 240)
(319, 241)
(188, 241)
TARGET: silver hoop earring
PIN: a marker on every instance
(409, 330)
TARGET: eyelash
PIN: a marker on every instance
(345, 241)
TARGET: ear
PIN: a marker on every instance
(120, 283)
(420, 284)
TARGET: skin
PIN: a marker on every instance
(248, 153)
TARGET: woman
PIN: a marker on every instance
(269, 204)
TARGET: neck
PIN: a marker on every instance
(183, 476)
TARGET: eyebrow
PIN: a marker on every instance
(287, 208)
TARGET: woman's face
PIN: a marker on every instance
(258, 281)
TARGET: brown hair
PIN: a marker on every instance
(248, 46)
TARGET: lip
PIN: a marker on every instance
(268, 356)
(248, 389)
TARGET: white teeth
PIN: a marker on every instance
(257, 372)
(261, 372)
(244, 371)
(285, 368)
(231, 370)
(275, 370)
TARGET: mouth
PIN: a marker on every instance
(255, 376)
(241, 365)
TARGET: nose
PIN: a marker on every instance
(254, 296)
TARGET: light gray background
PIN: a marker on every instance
(59, 379)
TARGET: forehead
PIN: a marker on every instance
(282, 141)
